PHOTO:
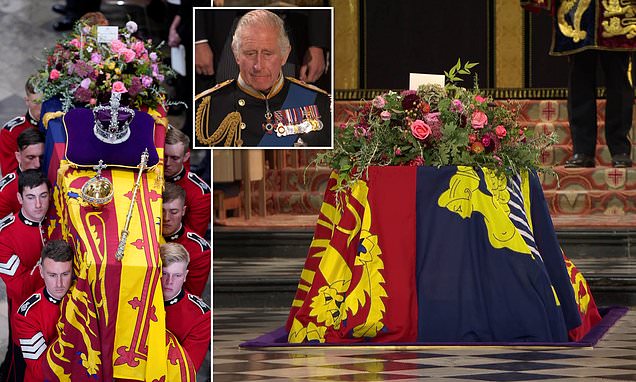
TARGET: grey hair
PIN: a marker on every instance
(262, 18)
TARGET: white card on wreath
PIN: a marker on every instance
(417, 79)
(106, 33)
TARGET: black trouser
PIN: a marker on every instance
(582, 100)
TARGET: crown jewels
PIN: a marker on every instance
(112, 122)
(98, 191)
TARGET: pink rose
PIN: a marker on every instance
(128, 54)
(500, 131)
(385, 115)
(359, 131)
(75, 42)
(479, 98)
(117, 46)
(54, 75)
(139, 48)
(420, 130)
(479, 119)
(119, 87)
(398, 152)
(153, 56)
(378, 102)
(93, 101)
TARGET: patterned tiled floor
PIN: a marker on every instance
(613, 359)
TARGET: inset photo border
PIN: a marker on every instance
(263, 77)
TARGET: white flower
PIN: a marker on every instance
(131, 26)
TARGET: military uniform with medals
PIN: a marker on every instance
(293, 113)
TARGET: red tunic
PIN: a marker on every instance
(190, 320)
(34, 329)
(9, 141)
(9, 194)
(21, 242)
(200, 258)
(198, 200)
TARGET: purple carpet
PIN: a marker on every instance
(610, 315)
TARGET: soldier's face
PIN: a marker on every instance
(30, 157)
(173, 212)
(35, 202)
(260, 57)
(172, 278)
(34, 105)
(174, 156)
(57, 276)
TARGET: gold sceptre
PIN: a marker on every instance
(124, 233)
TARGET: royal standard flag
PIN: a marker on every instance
(113, 322)
(450, 254)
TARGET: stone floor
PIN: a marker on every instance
(611, 360)
(26, 27)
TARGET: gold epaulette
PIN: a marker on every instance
(228, 132)
(49, 116)
(306, 85)
(212, 89)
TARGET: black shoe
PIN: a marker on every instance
(65, 24)
(59, 8)
(621, 160)
(580, 160)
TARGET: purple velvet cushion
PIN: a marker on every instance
(83, 148)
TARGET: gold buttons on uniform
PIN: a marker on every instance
(241, 102)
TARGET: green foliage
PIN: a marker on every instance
(434, 126)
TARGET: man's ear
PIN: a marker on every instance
(186, 156)
(285, 57)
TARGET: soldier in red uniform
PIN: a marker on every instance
(35, 320)
(22, 237)
(28, 156)
(187, 316)
(12, 129)
(198, 194)
(174, 230)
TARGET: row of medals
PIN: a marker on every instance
(306, 126)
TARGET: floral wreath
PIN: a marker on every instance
(434, 126)
(83, 71)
